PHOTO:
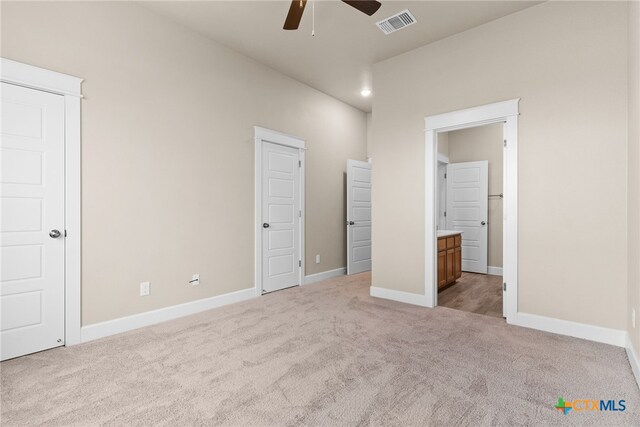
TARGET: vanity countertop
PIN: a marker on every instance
(445, 233)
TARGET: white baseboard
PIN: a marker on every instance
(318, 277)
(494, 271)
(633, 360)
(128, 323)
(399, 296)
(573, 329)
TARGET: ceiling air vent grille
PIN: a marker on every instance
(396, 22)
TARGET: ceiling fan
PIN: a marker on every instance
(297, 7)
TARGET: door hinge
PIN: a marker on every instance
(299, 163)
(504, 287)
(299, 263)
(299, 214)
(445, 176)
(505, 142)
(445, 213)
(65, 233)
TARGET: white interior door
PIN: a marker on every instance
(32, 221)
(442, 196)
(467, 211)
(281, 212)
(358, 216)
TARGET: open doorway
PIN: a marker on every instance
(504, 114)
(470, 219)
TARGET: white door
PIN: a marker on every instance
(32, 221)
(467, 211)
(442, 196)
(358, 216)
(281, 211)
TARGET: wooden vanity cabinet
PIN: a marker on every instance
(449, 259)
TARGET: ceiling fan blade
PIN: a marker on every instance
(295, 14)
(365, 6)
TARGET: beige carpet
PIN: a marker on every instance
(324, 354)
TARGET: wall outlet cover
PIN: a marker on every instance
(195, 279)
(317, 259)
(145, 289)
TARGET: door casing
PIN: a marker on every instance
(70, 87)
(267, 135)
(507, 113)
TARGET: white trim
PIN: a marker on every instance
(494, 271)
(39, 78)
(573, 329)
(70, 87)
(471, 117)
(73, 222)
(633, 360)
(507, 112)
(329, 274)
(443, 159)
(400, 296)
(128, 323)
(267, 135)
(278, 137)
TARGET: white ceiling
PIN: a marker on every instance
(338, 59)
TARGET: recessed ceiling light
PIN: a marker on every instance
(365, 92)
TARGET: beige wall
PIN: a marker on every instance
(443, 143)
(369, 136)
(167, 151)
(568, 63)
(484, 143)
(633, 167)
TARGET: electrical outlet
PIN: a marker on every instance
(145, 289)
(195, 280)
(633, 317)
(317, 259)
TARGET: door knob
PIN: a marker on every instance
(350, 222)
(54, 234)
(483, 223)
(265, 225)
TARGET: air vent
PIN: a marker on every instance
(396, 22)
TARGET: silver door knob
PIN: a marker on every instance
(54, 234)
(483, 223)
(265, 225)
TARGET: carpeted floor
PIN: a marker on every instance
(324, 354)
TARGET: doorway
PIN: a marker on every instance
(279, 204)
(40, 230)
(471, 203)
(505, 113)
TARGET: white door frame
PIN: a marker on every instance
(70, 88)
(268, 135)
(506, 112)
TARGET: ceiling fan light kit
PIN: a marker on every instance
(296, 9)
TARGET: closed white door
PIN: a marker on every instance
(281, 212)
(358, 216)
(467, 211)
(442, 196)
(32, 221)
